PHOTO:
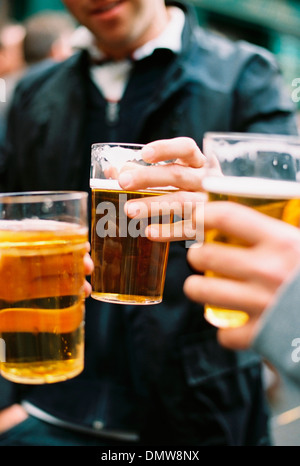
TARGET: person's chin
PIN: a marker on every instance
(109, 11)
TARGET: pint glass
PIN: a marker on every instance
(42, 243)
(256, 170)
(128, 268)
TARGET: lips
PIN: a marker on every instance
(107, 7)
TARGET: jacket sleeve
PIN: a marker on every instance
(7, 145)
(8, 395)
(278, 339)
(19, 128)
(262, 101)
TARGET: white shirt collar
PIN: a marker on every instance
(170, 38)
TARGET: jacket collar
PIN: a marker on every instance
(170, 39)
(182, 70)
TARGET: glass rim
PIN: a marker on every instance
(40, 196)
(252, 136)
(117, 144)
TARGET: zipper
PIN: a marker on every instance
(112, 112)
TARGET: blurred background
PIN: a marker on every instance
(274, 24)
(34, 30)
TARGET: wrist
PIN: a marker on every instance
(12, 416)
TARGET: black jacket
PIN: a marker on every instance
(158, 372)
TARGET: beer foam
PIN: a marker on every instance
(118, 156)
(32, 224)
(229, 152)
(96, 183)
(251, 187)
(113, 185)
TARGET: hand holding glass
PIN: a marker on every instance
(259, 171)
(128, 267)
(43, 240)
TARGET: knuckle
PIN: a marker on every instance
(178, 173)
(193, 148)
(191, 143)
(224, 215)
(206, 256)
(275, 271)
(182, 197)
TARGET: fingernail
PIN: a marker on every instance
(148, 153)
(152, 232)
(132, 209)
(125, 179)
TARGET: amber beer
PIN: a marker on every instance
(128, 268)
(278, 199)
(41, 299)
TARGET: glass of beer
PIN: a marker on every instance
(261, 171)
(43, 239)
(128, 267)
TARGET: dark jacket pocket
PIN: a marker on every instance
(225, 393)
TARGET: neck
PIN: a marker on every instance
(156, 27)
